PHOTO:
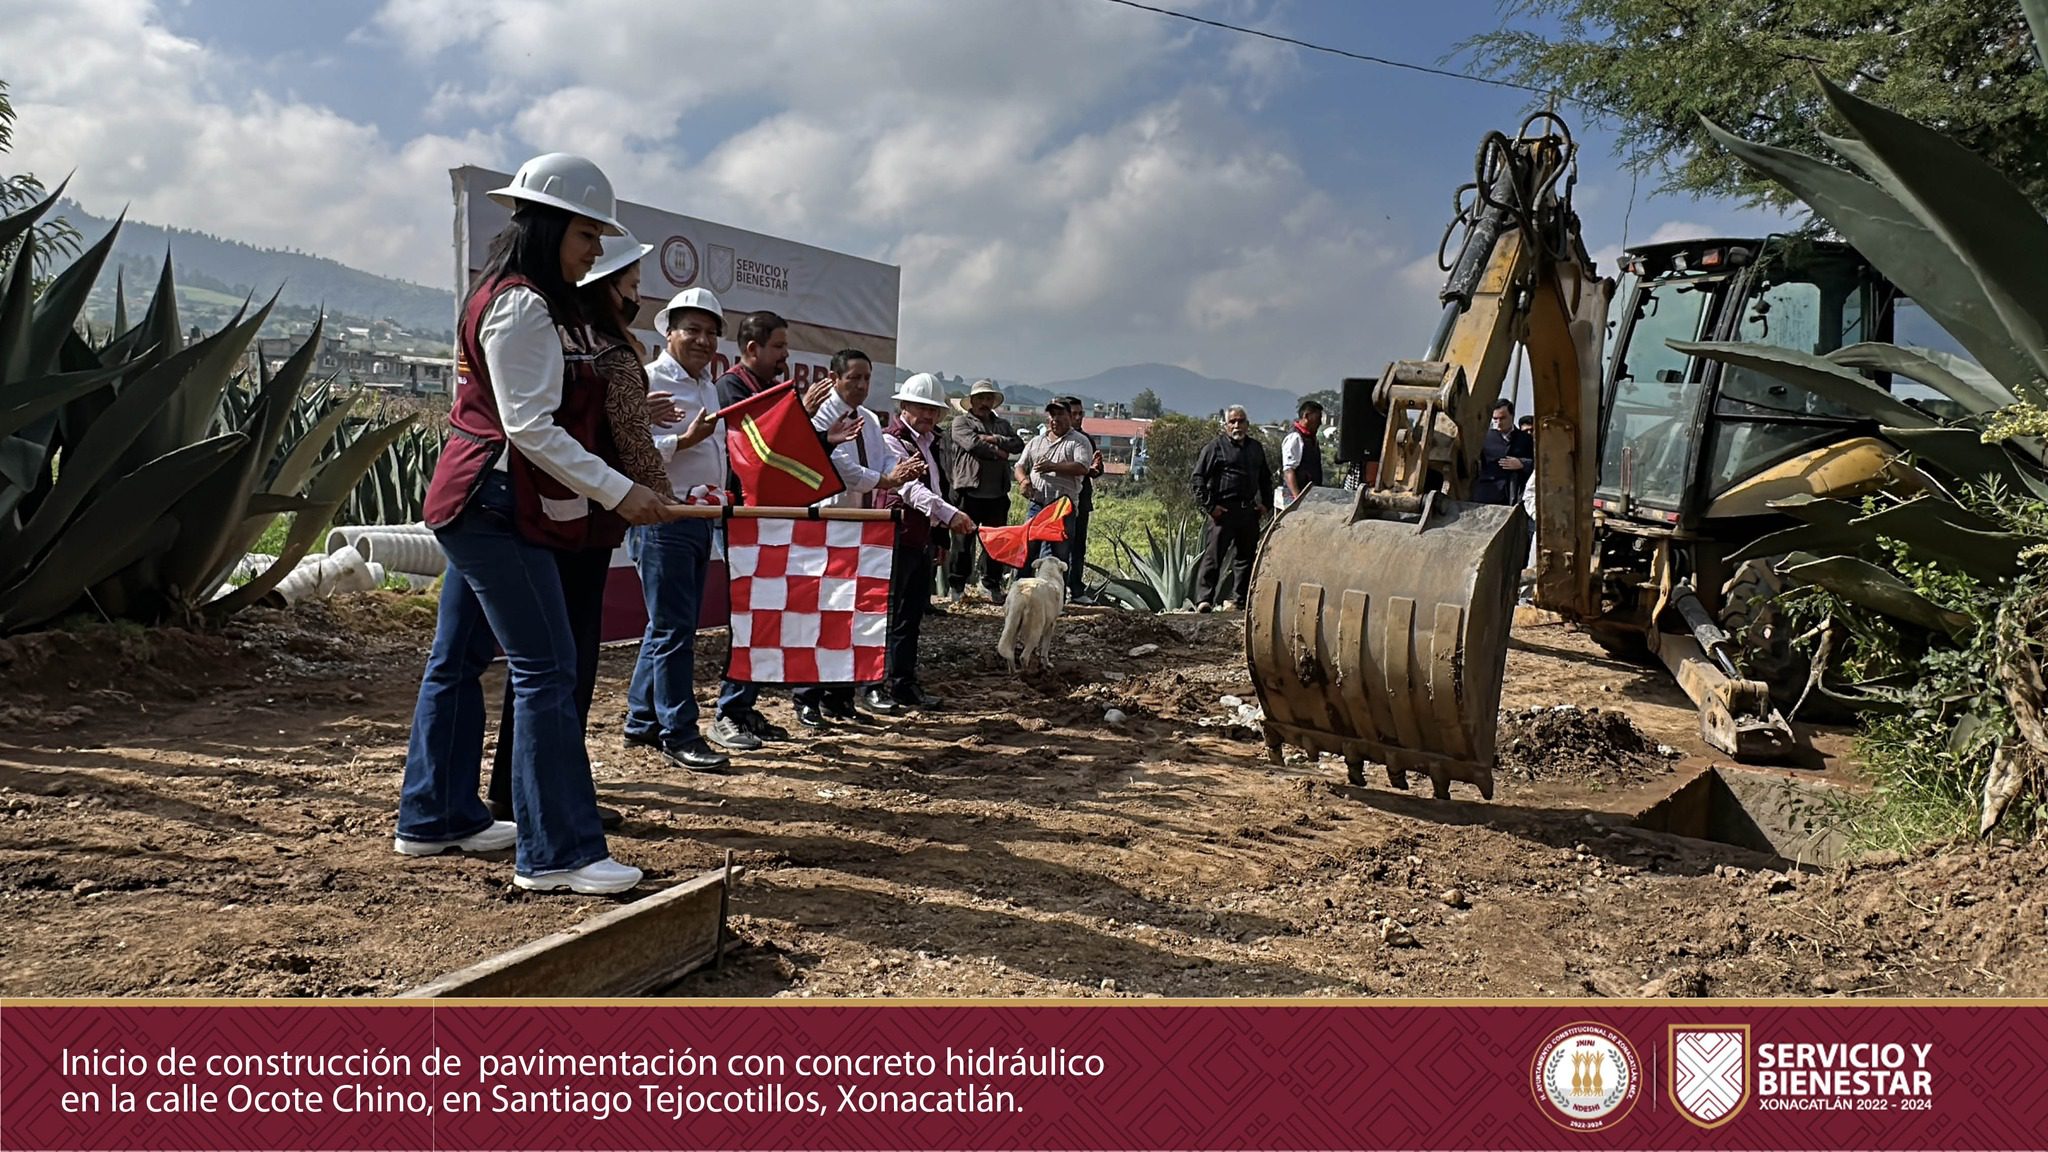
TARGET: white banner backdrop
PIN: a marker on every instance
(831, 300)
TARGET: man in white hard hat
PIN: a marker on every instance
(661, 704)
(983, 446)
(920, 401)
(871, 470)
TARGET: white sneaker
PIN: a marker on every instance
(600, 879)
(500, 835)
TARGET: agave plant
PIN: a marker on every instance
(123, 489)
(1963, 242)
(395, 489)
(1162, 579)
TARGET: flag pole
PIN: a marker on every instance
(749, 512)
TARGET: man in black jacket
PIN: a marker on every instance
(1234, 485)
(1505, 459)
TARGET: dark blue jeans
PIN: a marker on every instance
(1040, 549)
(662, 703)
(499, 585)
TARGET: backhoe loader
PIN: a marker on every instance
(1378, 619)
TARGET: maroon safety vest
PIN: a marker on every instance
(547, 511)
(915, 529)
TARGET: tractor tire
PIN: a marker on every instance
(1762, 638)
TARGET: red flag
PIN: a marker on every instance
(776, 453)
(1012, 545)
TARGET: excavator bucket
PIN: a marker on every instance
(1378, 629)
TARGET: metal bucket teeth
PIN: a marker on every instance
(1381, 635)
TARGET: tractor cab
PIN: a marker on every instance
(1685, 439)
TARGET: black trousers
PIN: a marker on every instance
(1077, 551)
(839, 696)
(909, 587)
(987, 512)
(1237, 531)
(583, 579)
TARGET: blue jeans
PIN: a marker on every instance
(736, 698)
(1040, 549)
(498, 585)
(661, 704)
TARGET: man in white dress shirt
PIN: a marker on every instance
(870, 469)
(661, 705)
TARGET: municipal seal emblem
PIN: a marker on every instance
(1586, 1077)
(679, 261)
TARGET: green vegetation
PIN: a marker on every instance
(1928, 607)
(55, 237)
(137, 472)
(1659, 66)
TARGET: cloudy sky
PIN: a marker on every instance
(1068, 185)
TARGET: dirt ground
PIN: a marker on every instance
(190, 814)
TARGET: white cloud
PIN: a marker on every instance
(1059, 197)
(147, 120)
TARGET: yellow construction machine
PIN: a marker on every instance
(1378, 619)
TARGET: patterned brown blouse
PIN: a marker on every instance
(625, 406)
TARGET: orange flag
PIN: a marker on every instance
(1012, 545)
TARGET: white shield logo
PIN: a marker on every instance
(1709, 1071)
(721, 259)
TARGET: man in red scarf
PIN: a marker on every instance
(1301, 456)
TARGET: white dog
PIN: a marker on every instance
(1034, 607)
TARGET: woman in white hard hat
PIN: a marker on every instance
(524, 474)
(609, 295)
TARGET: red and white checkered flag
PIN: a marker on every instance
(810, 600)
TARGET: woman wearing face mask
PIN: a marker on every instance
(609, 295)
(523, 476)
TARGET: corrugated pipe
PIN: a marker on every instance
(410, 549)
(318, 577)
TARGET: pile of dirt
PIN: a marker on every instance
(57, 678)
(1567, 741)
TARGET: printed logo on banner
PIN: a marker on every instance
(1709, 1078)
(719, 273)
(679, 262)
(1586, 1077)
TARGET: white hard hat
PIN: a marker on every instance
(923, 388)
(699, 298)
(620, 253)
(563, 181)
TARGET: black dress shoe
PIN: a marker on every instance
(916, 697)
(697, 756)
(762, 727)
(844, 713)
(810, 716)
(634, 739)
(878, 702)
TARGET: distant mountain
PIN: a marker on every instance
(1181, 390)
(235, 269)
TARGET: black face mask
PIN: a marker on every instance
(629, 308)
